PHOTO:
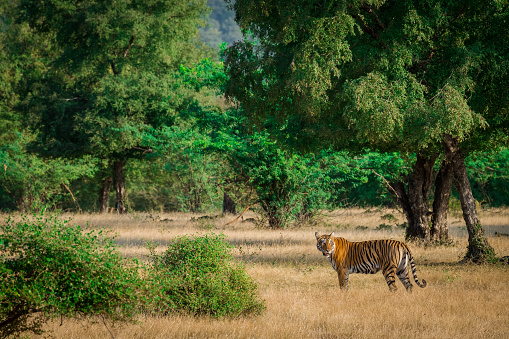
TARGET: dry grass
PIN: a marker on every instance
(300, 288)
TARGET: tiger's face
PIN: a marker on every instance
(325, 243)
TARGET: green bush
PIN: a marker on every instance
(198, 276)
(51, 269)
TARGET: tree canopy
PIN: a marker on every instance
(107, 92)
(100, 92)
(386, 74)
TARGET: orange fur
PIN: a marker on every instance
(368, 257)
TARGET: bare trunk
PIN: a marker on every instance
(443, 184)
(118, 171)
(228, 204)
(479, 250)
(415, 203)
(104, 194)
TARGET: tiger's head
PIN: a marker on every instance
(325, 243)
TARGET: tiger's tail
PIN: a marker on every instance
(414, 271)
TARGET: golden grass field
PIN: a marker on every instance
(301, 290)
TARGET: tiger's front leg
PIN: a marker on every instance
(343, 278)
(389, 273)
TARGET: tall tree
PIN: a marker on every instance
(381, 74)
(113, 80)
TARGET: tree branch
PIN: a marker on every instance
(72, 195)
(114, 70)
(388, 183)
(370, 10)
(129, 47)
(18, 314)
(365, 27)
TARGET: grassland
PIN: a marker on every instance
(300, 287)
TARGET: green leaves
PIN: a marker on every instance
(376, 108)
(33, 184)
(104, 36)
(198, 275)
(54, 269)
(114, 75)
(384, 75)
(206, 73)
(288, 185)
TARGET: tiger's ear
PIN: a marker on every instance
(331, 235)
(316, 235)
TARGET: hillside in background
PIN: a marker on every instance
(222, 26)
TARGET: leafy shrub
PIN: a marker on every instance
(51, 269)
(198, 276)
(384, 227)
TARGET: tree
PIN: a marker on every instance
(383, 75)
(113, 78)
(489, 172)
(287, 186)
(28, 182)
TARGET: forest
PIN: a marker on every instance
(105, 112)
(287, 110)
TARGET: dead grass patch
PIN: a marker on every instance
(301, 291)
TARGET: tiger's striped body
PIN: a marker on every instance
(368, 257)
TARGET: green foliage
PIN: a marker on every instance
(112, 78)
(489, 173)
(188, 177)
(198, 276)
(287, 185)
(385, 75)
(101, 35)
(118, 87)
(30, 183)
(52, 269)
(128, 80)
(366, 177)
(206, 73)
(23, 57)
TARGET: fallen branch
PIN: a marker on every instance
(237, 218)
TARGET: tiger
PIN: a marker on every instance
(369, 257)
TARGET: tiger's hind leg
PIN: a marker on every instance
(390, 277)
(403, 277)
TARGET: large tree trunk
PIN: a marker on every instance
(228, 204)
(439, 232)
(415, 203)
(104, 194)
(119, 175)
(479, 250)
